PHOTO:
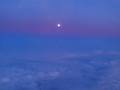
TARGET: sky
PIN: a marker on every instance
(77, 17)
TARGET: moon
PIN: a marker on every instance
(58, 25)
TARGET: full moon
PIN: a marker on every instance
(58, 25)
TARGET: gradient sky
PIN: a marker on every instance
(77, 17)
(75, 56)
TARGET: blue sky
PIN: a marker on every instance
(62, 8)
(76, 16)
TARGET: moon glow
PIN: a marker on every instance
(58, 25)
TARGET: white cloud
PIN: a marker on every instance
(5, 80)
(54, 74)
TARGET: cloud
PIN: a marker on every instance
(54, 74)
(5, 80)
(110, 80)
(57, 56)
(106, 75)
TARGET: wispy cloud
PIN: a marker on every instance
(56, 56)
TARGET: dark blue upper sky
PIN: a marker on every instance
(58, 9)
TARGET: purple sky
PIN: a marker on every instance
(77, 17)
